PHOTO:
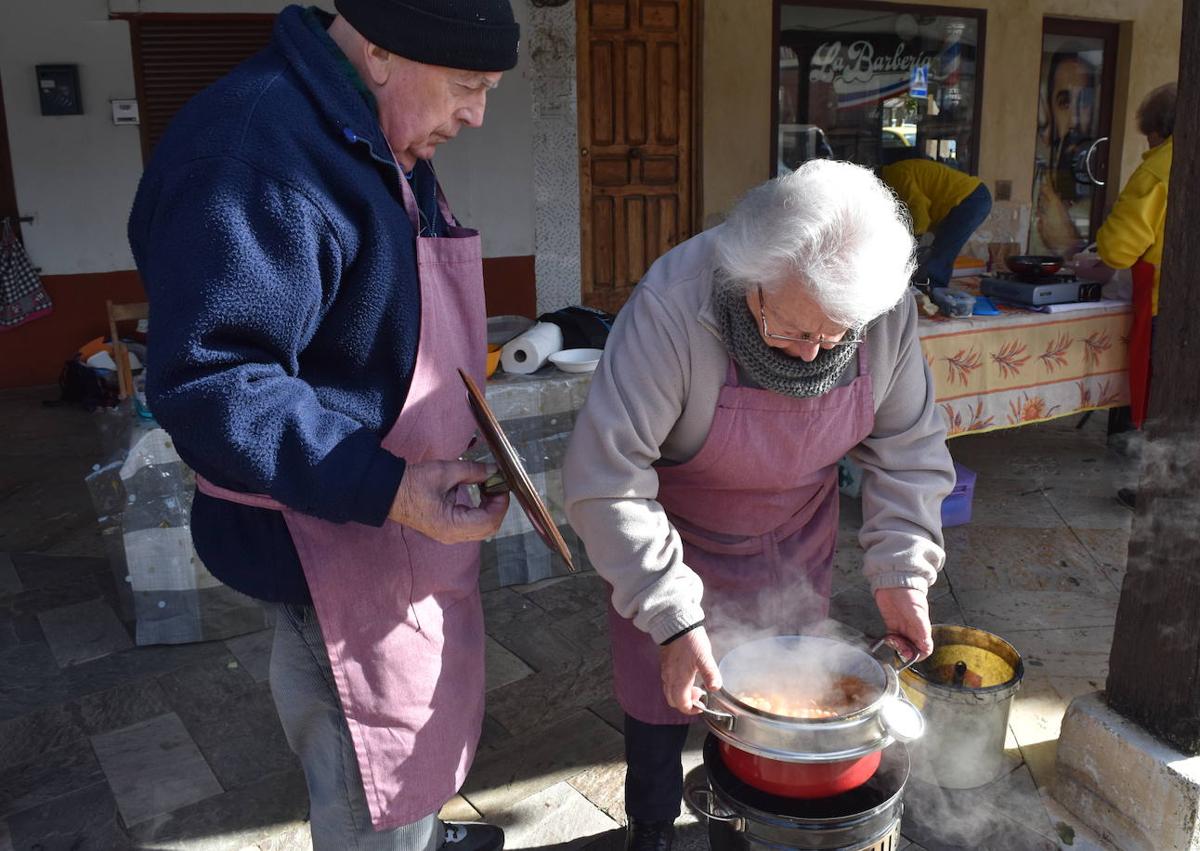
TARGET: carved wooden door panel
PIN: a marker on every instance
(634, 65)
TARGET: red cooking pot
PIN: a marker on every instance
(796, 756)
(799, 779)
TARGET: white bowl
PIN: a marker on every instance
(576, 360)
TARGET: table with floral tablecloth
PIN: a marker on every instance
(1023, 366)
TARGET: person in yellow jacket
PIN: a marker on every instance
(1132, 238)
(942, 201)
(1133, 230)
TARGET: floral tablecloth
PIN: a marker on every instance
(1020, 367)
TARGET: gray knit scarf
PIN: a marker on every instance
(766, 366)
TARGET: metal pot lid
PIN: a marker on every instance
(903, 721)
(514, 473)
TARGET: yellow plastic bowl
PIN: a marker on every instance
(493, 359)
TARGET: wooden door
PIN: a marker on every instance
(634, 65)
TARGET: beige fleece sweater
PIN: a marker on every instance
(652, 400)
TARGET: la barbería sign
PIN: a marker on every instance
(857, 63)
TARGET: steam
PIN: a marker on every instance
(1173, 465)
(790, 606)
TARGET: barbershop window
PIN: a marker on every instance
(874, 83)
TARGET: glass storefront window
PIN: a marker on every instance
(874, 83)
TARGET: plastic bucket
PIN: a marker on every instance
(965, 690)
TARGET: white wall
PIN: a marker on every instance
(77, 174)
(488, 173)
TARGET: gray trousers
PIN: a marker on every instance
(306, 699)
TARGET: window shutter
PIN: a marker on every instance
(175, 56)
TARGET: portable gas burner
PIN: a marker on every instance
(1036, 291)
(742, 817)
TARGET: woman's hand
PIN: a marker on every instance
(680, 661)
(905, 612)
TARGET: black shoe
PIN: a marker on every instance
(649, 835)
(472, 836)
(1127, 497)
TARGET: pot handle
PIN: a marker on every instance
(902, 720)
(699, 798)
(904, 649)
(724, 720)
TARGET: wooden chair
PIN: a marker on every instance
(124, 313)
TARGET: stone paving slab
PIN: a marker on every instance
(457, 809)
(253, 652)
(154, 767)
(83, 820)
(83, 631)
(556, 816)
(233, 820)
(1000, 558)
(532, 702)
(537, 759)
(10, 583)
(1065, 652)
(32, 680)
(1082, 510)
(28, 737)
(502, 667)
(940, 820)
(20, 629)
(1021, 611)
(121, 706)
(245, 741)
(210, 688)
(48, 776)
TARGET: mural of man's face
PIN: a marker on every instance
(1072, 99)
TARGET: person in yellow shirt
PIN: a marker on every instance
(1132, 238)
(942, 201)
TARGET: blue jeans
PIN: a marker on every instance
(951, 234)
(307, 701)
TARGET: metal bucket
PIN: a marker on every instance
(965, 691)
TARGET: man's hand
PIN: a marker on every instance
(428, 501)
(905, 612)
(1054, 221)
(681, 660)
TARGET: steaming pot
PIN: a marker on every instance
(808, 757)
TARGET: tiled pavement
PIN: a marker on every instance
(108, 746)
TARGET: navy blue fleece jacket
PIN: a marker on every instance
(284, 303)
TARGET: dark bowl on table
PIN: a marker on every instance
(1037, 265)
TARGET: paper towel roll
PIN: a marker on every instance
(527, 352)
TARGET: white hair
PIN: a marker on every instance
(830, 227)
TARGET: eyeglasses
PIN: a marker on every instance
(805, 336)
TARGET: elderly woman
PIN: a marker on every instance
(702, 474)
(1132, 238)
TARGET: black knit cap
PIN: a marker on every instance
(474, 35)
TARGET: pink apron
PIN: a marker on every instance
(401, 613)
(757, 509)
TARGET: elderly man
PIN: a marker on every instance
(312, 298)
(702, 474)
